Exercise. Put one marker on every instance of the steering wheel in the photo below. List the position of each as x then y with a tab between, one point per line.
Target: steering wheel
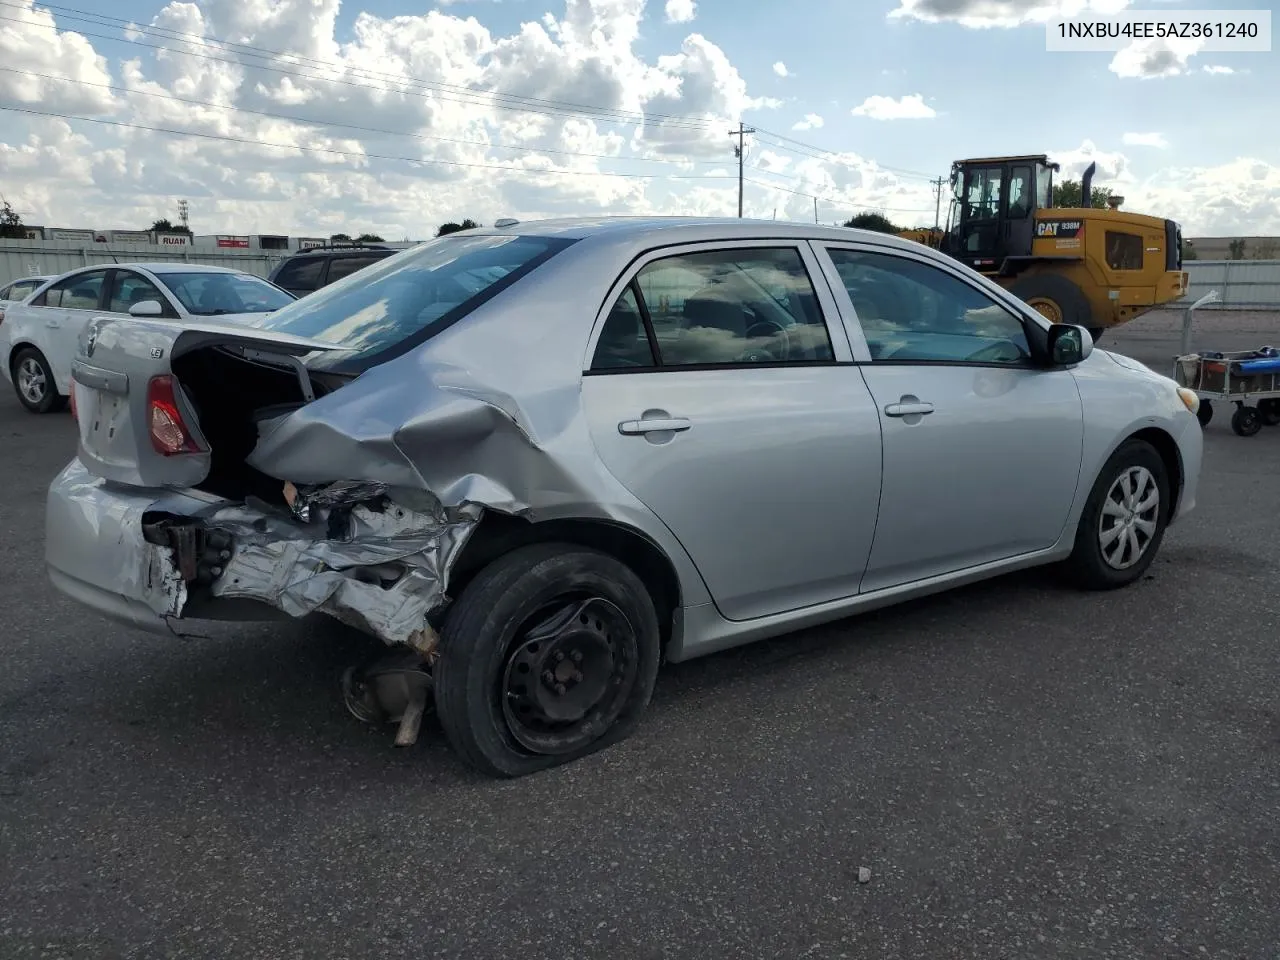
770	326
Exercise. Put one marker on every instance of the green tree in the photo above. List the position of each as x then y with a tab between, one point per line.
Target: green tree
873	221
1235	249
11	225
340	238
164	226
369	238
1189	251
1266	250
452	227
1067	194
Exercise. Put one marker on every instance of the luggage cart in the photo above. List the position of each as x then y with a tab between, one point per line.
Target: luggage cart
1250	379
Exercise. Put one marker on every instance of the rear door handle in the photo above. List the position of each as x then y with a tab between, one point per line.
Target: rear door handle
908	408
662	425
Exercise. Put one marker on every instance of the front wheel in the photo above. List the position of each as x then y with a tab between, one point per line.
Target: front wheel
33	382
1204	413
1124	519
549	654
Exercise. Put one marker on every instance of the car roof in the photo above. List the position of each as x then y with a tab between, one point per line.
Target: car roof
685	229
339	251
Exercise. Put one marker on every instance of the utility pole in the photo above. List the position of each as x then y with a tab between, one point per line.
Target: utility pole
937	201
740	151
815	209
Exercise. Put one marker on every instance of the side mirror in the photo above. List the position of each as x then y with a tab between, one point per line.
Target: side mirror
1069	344
146	308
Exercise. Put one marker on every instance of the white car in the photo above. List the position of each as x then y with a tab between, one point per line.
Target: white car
18	291
39	337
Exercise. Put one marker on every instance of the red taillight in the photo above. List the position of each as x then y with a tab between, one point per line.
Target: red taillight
71	400
169	434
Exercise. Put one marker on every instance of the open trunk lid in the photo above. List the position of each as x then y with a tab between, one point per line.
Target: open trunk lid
124	384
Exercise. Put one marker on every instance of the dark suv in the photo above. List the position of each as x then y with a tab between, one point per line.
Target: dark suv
309	270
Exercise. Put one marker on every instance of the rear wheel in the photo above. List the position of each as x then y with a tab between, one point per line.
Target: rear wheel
549	654
33	382
1124	519
1057	299
1269	410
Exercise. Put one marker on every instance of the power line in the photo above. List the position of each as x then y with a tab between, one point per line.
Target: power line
432	87
840	204
356	154
129	91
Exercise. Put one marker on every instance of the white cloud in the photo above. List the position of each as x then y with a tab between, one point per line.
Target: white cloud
780	69
1156	140
1151	59
681	11
981	14
1241	197
910	107
1215	68
811	121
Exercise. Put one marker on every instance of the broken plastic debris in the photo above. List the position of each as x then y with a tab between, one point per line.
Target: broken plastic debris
864	874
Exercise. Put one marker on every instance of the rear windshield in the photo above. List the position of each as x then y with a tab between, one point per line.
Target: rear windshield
388	307
215	294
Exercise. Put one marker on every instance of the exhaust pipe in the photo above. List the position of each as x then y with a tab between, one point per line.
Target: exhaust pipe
1086	185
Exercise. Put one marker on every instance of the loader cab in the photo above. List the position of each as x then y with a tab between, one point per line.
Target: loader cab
993	211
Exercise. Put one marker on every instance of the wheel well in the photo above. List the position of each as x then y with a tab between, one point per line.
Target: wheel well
16	349
1168	450
499	534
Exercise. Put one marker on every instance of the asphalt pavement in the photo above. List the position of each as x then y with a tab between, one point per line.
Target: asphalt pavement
1024	770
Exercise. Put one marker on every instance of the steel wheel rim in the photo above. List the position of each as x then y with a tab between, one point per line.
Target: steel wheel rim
1046	308
1129	518
558	704
31	380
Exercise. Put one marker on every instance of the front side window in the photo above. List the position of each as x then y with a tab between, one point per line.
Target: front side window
130	288
982	192
81	292
1020	192
22	289
915	313
404	299
214	294
754	305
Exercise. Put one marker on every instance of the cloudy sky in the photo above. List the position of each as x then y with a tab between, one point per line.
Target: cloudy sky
309	117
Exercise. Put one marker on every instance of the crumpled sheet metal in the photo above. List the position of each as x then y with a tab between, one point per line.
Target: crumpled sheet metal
433	425
297	568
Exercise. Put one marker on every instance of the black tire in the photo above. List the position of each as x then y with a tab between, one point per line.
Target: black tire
1246	421
1087	565
50	400
480	652
1068	298
1205	412
1269	410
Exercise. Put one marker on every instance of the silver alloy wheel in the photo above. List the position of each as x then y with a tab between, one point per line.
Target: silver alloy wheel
31	381
1129	516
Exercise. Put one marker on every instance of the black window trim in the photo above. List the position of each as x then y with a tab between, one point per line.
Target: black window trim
858	246
689	248
166	296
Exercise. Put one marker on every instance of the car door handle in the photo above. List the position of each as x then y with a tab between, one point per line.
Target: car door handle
657	425
908	408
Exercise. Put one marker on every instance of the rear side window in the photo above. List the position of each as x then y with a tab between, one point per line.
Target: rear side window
402	300
22	289
1124	251
80	292
723	307
301	274
340	267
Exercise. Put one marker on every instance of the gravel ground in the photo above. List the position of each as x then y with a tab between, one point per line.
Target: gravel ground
1023	770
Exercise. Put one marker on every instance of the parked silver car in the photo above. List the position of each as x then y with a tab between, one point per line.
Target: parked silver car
535	459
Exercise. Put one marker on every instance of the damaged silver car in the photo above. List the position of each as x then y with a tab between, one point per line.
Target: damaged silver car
534	460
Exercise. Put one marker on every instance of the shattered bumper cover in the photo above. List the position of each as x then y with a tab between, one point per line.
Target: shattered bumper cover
373	557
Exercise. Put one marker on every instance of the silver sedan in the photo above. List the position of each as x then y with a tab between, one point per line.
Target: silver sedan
534	460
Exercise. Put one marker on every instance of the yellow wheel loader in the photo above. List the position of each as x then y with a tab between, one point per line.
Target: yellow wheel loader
1086	265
